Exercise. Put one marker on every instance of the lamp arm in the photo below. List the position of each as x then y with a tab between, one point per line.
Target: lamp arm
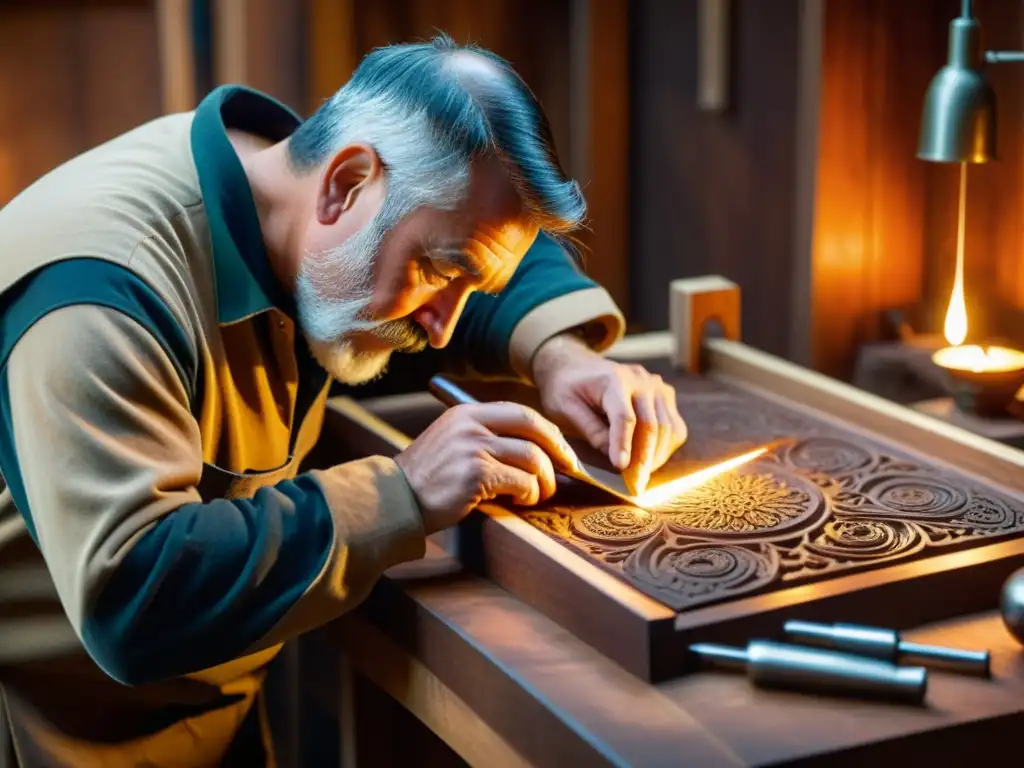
1004	57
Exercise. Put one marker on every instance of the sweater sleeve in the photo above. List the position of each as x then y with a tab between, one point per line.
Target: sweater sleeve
102	455
547	295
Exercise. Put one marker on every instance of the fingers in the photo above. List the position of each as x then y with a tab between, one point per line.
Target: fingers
645	427
679	431
504	480
665	446
514	420
645	437
618	408
528	457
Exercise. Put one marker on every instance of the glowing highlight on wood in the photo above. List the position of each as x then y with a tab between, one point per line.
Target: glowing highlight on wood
662	493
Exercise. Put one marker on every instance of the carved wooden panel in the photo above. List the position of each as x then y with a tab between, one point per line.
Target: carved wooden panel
829	501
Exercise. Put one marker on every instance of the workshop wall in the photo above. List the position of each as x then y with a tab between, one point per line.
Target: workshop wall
804	189
72	75
715	192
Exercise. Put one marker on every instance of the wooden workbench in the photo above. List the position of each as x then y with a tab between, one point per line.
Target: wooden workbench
505	672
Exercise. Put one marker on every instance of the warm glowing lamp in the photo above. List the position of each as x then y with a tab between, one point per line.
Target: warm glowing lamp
983	380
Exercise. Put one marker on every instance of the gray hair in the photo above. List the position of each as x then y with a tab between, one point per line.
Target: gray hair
430	110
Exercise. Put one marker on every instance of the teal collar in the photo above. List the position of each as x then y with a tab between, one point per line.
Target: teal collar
245	284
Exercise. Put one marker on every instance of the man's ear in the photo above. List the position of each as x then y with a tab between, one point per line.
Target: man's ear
350	172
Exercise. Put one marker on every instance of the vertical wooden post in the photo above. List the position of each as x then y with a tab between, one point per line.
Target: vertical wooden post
333	53
713	48
808	104
230	27
599	136
693	304
177	55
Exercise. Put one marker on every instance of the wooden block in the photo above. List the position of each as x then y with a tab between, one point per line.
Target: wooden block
698	306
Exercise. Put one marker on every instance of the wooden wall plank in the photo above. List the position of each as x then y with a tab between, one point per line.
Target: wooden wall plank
274	50
177	55
332	57
230	41
808	104
599	138
868	242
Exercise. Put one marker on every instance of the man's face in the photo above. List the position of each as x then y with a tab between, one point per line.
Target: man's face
369	286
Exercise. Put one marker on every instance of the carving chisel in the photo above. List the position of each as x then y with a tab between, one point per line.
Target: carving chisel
777	665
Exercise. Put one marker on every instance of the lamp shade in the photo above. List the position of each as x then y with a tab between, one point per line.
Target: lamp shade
958	124
959	120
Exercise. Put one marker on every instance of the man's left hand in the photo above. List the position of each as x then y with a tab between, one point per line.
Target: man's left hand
623	410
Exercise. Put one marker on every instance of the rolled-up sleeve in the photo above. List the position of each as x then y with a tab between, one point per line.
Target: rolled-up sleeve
103	457
547	295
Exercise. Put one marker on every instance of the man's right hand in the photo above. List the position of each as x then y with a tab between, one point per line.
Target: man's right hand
476	452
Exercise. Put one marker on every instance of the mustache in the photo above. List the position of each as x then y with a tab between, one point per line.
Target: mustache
403	334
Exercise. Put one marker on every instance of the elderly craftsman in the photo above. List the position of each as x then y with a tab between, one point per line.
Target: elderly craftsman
175	305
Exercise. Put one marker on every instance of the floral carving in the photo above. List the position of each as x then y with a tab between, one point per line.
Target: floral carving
737	503
675	569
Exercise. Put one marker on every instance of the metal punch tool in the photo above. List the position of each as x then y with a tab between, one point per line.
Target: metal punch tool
888	645
769	664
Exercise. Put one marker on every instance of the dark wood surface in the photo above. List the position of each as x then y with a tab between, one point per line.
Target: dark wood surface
525	685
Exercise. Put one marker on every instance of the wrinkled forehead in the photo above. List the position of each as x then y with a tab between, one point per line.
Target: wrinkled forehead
490	227
496	248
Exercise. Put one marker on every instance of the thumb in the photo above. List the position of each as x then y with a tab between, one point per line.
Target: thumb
587	422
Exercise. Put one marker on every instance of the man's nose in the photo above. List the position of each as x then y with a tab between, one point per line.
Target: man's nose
439	316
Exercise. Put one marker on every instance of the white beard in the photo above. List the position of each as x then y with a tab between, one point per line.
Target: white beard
334	288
